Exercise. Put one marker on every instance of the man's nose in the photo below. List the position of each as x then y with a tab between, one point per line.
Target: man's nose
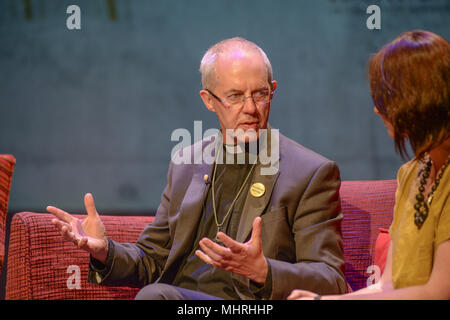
249	105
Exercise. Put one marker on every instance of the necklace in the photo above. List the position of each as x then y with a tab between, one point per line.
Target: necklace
422	206
219	225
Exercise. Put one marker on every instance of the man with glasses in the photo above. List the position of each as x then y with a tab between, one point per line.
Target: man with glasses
228	230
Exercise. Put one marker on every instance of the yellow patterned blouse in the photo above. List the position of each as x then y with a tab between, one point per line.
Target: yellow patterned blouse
414	249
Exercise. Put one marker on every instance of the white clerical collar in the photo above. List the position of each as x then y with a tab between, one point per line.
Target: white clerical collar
234	148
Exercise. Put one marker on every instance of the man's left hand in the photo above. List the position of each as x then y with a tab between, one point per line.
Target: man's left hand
246	259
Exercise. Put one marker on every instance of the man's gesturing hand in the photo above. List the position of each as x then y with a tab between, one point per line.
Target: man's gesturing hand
246	259
88	234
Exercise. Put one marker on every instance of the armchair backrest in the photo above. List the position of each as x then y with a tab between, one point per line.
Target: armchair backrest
367	207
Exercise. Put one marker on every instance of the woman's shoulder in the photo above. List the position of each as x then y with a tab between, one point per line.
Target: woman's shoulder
406	170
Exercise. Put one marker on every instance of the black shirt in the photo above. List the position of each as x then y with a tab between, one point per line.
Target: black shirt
196	274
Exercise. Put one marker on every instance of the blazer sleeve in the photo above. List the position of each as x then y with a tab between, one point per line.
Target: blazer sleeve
318	243
136	265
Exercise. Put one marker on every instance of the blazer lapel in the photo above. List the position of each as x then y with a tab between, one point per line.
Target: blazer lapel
187	222
254	206
191	209
188	216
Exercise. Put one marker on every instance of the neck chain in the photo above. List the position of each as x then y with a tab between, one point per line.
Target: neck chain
219	225
422	206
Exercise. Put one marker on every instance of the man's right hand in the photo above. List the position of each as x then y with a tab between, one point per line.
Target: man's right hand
88	234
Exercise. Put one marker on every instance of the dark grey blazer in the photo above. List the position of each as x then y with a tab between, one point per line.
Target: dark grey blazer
300	213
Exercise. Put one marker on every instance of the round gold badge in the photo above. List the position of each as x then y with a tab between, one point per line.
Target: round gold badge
257	189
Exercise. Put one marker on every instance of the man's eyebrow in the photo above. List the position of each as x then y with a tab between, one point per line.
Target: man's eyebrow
233	91
240	91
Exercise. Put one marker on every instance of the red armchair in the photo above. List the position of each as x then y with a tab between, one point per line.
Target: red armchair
41	265
7	163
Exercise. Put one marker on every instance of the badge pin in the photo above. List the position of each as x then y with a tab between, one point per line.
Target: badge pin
257	189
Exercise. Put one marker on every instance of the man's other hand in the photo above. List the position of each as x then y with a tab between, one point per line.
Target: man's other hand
88	234
246	259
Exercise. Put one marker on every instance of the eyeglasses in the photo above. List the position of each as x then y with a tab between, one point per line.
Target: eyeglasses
261	98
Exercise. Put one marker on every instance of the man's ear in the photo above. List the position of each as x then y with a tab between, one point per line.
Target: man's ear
274	85
206	97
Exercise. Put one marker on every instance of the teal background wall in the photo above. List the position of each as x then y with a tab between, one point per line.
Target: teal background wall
92	110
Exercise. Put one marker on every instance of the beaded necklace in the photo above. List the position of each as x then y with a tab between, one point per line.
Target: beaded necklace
422	206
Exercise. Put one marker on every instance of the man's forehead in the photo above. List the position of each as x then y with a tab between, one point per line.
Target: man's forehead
237	53
240	58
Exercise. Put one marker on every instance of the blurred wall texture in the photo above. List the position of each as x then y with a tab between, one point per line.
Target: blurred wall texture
92	110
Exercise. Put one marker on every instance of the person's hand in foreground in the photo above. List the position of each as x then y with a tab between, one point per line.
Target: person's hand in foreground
302	295
246	259
88	234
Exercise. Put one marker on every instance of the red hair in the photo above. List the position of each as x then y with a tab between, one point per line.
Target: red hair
410	85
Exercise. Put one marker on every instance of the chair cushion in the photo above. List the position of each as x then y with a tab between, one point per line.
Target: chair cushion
381	248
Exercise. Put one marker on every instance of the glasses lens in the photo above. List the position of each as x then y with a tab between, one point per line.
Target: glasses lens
261	98
235	99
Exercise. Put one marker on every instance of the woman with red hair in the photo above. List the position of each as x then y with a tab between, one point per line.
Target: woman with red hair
410	87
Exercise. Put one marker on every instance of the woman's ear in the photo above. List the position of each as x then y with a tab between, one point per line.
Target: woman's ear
206	97
375	110
387	123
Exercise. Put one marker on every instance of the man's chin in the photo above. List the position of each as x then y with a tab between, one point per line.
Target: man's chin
249	126
246	139
243	134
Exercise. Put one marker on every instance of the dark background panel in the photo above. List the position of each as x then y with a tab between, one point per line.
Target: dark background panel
92	110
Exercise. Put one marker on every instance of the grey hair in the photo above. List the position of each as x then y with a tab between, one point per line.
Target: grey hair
207	65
